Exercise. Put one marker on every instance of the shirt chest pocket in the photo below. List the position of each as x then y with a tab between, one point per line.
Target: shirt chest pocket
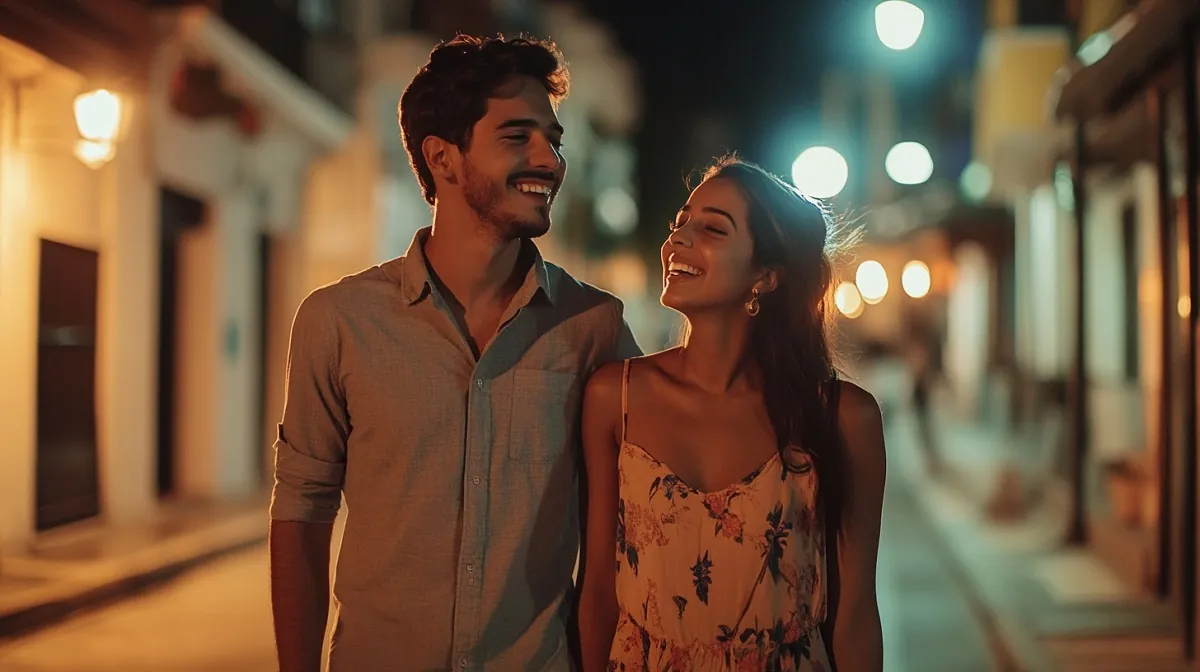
545	416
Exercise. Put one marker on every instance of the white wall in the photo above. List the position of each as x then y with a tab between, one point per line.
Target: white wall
1045	285
1116	402
46	193
273	183
968	325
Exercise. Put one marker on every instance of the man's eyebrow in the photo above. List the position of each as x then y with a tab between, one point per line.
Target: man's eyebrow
529	123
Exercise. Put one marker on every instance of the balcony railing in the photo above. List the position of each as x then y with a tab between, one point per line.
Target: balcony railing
277	32
327	62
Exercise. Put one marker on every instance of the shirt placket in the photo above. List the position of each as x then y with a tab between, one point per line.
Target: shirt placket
469	597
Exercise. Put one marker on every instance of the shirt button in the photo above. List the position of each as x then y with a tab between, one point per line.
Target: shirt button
462	662
478	383
470	567
476	480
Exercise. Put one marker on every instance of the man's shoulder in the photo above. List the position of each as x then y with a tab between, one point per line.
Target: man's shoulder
577	294
354	290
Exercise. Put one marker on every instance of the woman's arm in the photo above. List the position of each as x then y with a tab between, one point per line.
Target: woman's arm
857	633
597	615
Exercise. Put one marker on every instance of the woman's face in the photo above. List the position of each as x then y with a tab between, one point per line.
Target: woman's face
708	259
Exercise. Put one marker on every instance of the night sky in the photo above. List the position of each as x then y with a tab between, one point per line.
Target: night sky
746	75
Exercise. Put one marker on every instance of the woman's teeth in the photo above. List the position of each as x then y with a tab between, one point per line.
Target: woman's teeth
676	268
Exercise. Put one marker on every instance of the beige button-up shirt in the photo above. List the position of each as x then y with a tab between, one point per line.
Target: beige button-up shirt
459	476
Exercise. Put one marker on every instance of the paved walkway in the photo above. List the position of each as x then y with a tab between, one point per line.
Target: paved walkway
216	617
1048	607
931	621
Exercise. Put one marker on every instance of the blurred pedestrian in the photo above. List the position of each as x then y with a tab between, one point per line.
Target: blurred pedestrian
739	481
923	357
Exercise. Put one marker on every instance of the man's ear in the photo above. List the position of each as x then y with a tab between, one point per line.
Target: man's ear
442	158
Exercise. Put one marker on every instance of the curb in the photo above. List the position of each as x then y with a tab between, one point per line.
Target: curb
85	597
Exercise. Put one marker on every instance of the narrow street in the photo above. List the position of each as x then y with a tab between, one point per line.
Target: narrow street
931	621
217	617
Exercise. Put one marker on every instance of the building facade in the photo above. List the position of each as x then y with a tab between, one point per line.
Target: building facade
148	277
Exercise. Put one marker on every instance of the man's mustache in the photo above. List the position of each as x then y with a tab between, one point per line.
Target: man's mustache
534	175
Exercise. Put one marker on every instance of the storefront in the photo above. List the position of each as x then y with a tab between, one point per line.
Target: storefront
1138	102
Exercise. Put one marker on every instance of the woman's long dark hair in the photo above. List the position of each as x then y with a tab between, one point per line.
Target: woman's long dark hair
790	338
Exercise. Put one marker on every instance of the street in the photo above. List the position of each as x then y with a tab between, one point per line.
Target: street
217	617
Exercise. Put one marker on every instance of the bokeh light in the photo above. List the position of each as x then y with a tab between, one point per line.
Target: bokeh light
848	300
909	163
898	24
820	172
872	281
975	181
915	279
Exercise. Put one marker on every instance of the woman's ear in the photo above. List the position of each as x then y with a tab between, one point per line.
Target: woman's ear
768	281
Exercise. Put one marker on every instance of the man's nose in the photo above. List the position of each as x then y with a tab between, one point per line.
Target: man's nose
543	154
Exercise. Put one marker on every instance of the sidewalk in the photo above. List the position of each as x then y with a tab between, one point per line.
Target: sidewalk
89	565
1053	608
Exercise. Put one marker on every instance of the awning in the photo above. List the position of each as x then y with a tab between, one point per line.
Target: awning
1122	138
102	43
254	71
1150	40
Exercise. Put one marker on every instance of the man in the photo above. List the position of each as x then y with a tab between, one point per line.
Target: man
440	393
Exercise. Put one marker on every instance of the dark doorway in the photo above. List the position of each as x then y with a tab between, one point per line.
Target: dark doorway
67	479
177	213
265	268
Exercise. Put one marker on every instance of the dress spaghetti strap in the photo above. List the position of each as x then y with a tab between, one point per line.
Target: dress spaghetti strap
624	400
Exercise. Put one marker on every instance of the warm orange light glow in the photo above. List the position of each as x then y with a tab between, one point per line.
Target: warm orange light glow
872	281
848	300
915	279
98	115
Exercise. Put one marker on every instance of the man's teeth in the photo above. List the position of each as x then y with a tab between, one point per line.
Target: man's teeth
676	267
534	189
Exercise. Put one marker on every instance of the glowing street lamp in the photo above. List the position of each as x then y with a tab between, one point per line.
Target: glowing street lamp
848	301
98	118
820	172
872	281
909	163
898	24
915	279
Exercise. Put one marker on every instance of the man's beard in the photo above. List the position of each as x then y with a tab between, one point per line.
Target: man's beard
486	197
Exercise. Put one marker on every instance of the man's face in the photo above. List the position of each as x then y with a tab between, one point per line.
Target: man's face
514	165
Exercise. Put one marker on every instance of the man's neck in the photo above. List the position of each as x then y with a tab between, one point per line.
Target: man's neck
475	265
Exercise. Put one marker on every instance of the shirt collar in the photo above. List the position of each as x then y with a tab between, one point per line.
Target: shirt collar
415	281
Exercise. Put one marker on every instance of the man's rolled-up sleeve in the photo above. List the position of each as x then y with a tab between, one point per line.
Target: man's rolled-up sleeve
310	449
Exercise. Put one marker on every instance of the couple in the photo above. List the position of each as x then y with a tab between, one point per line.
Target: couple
488	420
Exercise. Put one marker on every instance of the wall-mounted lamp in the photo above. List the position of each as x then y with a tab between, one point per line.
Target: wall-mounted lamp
98	118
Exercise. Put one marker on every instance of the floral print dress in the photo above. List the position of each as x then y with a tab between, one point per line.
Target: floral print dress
724	580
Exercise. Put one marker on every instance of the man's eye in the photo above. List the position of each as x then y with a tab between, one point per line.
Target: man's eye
516	138
716	230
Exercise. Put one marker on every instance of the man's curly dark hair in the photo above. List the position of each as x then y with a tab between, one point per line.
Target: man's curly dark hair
448	96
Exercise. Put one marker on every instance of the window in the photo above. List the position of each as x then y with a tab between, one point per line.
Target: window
1041	12
324	16
1129	243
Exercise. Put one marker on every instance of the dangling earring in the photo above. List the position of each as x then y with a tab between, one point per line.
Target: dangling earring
752	304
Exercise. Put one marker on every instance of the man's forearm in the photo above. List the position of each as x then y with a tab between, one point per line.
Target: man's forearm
300	592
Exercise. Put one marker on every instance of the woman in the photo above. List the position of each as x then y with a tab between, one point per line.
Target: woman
718	469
